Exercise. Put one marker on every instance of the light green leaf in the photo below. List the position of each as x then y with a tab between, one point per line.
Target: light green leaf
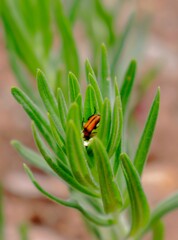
110	193
104	128
90	104
23	230
158	231
116	128
96	219
128	84
145	141
49	101
104	74
74	87
74	115
35	114
77	156
59	167
94	84
89	70
32	157
139	205
62	107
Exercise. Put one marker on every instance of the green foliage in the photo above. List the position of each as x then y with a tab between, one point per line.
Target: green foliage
93	168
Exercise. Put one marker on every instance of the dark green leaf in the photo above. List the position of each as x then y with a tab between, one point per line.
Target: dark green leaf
139	205
145	141
110	193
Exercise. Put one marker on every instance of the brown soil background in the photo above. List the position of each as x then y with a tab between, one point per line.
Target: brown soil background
52	222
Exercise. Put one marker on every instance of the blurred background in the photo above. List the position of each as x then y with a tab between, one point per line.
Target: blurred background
145	30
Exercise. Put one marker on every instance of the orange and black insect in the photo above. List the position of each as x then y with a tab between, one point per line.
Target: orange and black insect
90	125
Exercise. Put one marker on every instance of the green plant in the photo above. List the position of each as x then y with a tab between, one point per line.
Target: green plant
32	29
104	183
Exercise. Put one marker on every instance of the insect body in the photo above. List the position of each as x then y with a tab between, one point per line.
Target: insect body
90	125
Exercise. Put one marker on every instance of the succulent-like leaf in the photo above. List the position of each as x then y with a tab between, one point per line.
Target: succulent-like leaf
116	129
89	70
62	107
105	123
35	114
96	219
74	115
74	87
145	141
49	101
58	166
90	104
111	196
139	205
104	74
77	156
128	84
94	83
158	231
31	156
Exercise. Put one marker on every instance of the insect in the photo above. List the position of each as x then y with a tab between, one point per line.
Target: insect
90	125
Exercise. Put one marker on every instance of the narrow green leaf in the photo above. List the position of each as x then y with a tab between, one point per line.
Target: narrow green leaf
35	114
96	219
139	205
90	104
158	231
60	169
117	159
74	10
49	101
62	107
104	73
145	141
32	157
164	208
79	102
74	87
128	84
68	48
2	225
110	193
23	230
104	128
121	43
74	115
89	70
94	84
77	156
116	129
